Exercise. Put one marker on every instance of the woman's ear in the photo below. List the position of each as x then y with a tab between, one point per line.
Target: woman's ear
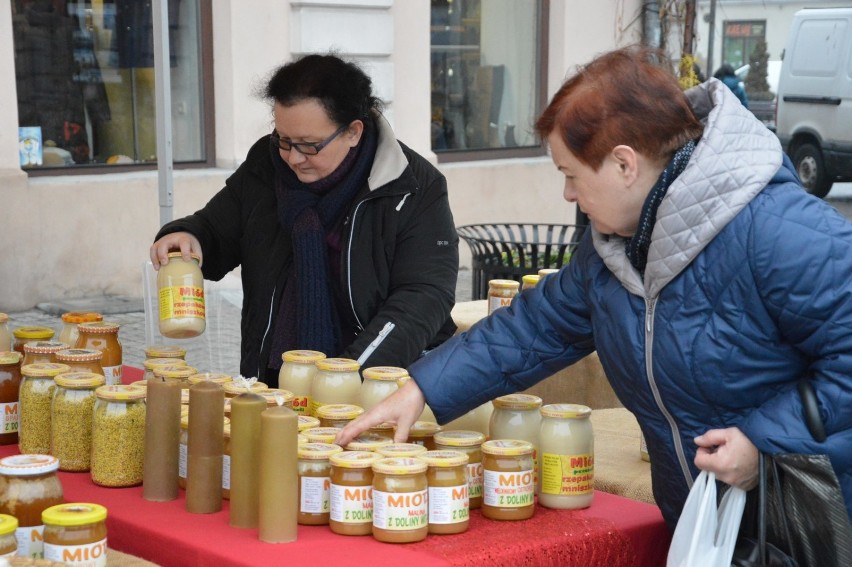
627	161
354	132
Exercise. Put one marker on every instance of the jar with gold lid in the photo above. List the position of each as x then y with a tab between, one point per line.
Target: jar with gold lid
401	450
384	429
337	381
314	480
118	436
517	416
296	375
42	351
181	292
176	373
423	433
8	541
530	281
351	492
307	422
76	530
321	434
469	443
28	486
477	419
82	359
400	500
379	383
71	419
152	364
508	482
369	442
273	395
338	415
103	335
68	333
165	351
6	339
501	293
24	335
234	389
449	501
215	377
10	385
567	456
36	395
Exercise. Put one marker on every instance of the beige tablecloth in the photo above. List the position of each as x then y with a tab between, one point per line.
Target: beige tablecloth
619	469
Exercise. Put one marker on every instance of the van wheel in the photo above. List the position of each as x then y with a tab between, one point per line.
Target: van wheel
809	165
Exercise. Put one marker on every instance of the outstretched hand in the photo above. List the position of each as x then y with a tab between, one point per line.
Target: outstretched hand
184	242
402	408
730	455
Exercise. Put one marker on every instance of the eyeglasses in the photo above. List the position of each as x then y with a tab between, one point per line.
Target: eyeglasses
304	148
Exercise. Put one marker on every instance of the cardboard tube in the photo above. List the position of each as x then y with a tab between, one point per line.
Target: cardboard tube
245	455
162	441
205	449
279	476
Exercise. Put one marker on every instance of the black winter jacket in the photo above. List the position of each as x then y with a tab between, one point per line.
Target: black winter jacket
399	259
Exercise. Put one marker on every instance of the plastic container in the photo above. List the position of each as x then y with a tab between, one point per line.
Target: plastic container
337	381
180	287
103	335
68	333
508	485
449	502
567	457
400	500
379	383
75	534
42	351
501	293
26	334
8	541
517	416
118	436
36	395
296	375
314	482
469	443
71	412
10	385
351	492
28	486
82	359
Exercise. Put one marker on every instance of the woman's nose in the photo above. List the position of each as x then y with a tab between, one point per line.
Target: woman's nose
295	157
569	194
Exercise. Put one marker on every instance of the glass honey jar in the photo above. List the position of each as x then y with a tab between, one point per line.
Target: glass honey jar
529	281
177	373
68	333
165	351
36	395
6	339
8	541
71	412
517	416
338	415
24	335
400	500
296	375
423	433
82	359
469	443
10	385
118	436
351	492
337	381
76	534
314	481
401	450
369	442
567	456
501	293
103	335
234	389
379	383
508	481
449	500
152	364
42	351
180	286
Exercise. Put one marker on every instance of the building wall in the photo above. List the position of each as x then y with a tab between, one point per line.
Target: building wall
82	235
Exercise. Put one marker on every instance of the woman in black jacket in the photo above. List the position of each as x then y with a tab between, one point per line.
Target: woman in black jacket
345	235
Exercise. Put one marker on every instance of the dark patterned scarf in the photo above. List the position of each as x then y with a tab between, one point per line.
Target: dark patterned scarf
638	245
307	317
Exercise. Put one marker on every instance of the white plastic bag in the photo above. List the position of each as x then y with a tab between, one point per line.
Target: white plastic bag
705	536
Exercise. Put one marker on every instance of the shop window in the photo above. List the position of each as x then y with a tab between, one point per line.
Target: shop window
85	83
488	77
740	39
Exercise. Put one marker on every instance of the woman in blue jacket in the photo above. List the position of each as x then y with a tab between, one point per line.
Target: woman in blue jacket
710	283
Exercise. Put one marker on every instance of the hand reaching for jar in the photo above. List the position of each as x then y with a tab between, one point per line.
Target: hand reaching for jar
185	242
402	408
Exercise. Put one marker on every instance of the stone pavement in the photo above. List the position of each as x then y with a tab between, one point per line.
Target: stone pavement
216	350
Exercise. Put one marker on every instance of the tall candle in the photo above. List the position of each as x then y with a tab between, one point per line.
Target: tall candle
162	441
279	477
245	455
205	448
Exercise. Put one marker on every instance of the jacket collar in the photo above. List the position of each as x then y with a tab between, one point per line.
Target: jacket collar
390	161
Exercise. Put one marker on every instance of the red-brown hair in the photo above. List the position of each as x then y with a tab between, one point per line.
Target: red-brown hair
629	96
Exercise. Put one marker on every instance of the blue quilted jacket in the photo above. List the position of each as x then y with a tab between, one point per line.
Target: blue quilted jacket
748	286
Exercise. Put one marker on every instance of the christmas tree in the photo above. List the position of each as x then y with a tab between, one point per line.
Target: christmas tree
756	85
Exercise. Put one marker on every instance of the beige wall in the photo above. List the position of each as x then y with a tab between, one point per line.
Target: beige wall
75	236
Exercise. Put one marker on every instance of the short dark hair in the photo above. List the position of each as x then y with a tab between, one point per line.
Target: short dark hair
629	96
341	87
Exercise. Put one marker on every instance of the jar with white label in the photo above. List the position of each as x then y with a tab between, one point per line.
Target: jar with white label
314	480
379	383
501	293
508	485
76	530
337	381
296	375
567	456
469	443
351	492
449	500
400	500
517	416
181	293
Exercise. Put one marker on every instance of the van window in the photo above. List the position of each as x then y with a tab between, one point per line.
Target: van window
818	48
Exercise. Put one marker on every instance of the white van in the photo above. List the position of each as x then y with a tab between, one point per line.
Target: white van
814	111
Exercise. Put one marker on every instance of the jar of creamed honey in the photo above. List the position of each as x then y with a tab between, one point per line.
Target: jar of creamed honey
337	381
296	375
567	456
181	292
379	383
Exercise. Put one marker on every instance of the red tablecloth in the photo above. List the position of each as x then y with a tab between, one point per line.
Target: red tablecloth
613	531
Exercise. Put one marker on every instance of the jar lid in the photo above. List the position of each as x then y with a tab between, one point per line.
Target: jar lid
402	380
339	411
164	351
79	355
272	396
517	401
444	458
401	450
46	369
74	514
121	392
44	347
383	426
546	271
303	356
423	429
369	442
504	284
33	333
210	377
321	434
4	318
234	387
338	364
184	420
400	466
567	411
507	447
354	459
80	380
318	451
531	279
460	438
28	465
192	255
174	372
8	524
81	317
307	422
384	373
10	357
98	327
143	384
301	439
152	363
